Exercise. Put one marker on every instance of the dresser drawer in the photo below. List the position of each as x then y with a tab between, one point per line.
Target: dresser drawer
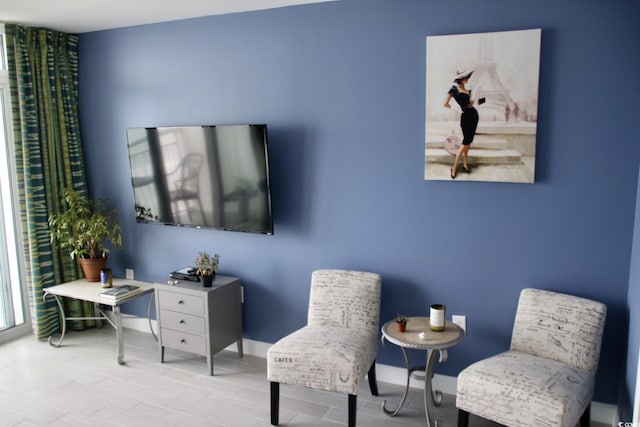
183	322
183	341
189	304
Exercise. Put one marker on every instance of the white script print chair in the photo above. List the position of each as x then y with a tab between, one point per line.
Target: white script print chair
338	345
547	376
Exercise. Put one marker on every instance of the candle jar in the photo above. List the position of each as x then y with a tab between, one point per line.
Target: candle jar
106	278
437	317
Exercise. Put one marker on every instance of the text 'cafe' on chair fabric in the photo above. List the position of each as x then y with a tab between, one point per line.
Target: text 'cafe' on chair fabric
338	345
547	377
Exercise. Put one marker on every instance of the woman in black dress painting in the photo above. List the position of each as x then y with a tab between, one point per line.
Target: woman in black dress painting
468	119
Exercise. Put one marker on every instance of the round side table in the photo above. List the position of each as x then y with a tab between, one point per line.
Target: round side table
432	342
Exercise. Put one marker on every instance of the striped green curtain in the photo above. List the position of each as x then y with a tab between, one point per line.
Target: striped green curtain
43	76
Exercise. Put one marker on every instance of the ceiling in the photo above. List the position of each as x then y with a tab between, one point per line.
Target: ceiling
81	16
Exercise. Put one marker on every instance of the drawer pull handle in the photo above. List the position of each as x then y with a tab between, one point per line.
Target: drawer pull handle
183	341
182	322
180	302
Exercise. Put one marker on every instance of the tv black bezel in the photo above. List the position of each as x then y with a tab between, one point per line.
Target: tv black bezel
269	230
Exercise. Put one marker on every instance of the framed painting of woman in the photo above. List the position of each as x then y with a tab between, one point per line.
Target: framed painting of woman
482	106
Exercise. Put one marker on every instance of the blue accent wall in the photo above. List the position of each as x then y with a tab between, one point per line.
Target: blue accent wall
341	86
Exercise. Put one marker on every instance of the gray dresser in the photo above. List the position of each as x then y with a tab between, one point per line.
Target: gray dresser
199	320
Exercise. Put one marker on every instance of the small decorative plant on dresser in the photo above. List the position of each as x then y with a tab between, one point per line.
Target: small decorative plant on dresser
206	267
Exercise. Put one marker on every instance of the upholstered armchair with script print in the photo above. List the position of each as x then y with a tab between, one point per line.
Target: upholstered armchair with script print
338	346
547	377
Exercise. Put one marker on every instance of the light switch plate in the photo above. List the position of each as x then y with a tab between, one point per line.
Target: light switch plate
460	321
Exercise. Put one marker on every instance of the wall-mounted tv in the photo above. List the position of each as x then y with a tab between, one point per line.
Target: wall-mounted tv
202	176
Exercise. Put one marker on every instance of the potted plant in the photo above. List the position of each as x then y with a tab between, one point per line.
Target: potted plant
401	320
83	228
206	267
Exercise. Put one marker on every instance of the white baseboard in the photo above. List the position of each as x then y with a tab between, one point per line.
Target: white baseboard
604	413
138	323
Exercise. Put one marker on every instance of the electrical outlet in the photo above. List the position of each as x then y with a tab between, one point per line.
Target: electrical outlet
460	321
129	273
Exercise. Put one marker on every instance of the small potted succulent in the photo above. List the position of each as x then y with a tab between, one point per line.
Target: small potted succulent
401	320
206	267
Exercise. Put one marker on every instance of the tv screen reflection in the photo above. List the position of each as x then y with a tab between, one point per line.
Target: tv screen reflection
202	176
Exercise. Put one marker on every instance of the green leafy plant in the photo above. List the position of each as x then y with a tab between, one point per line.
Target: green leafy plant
401	318
206	264
85	226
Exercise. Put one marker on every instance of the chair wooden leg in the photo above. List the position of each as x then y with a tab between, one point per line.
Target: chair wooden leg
373	383
463	418
275	402
353	400
585	418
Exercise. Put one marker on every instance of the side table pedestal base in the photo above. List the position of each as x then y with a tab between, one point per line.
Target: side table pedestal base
418	337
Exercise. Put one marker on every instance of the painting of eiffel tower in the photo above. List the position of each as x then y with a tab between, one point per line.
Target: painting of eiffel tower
503	89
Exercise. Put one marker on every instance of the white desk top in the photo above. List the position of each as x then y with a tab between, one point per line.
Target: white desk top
90	291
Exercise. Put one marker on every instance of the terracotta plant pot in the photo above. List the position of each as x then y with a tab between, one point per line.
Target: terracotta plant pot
402	327
91	268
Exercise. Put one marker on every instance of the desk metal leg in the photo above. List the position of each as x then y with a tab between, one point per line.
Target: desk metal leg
116	321
96	313
63	322
117	318
394	412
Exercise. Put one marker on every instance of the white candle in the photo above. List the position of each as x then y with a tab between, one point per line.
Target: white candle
436	317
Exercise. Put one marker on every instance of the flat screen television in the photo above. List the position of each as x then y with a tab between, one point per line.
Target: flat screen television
202	176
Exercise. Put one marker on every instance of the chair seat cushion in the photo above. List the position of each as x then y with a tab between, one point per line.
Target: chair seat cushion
519	389
323	357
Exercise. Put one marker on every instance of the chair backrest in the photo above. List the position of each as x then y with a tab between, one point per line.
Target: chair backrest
560	327
350	299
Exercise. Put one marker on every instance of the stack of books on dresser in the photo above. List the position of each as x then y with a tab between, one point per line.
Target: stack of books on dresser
120	292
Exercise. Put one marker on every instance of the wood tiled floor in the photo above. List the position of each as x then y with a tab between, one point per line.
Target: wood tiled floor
81	384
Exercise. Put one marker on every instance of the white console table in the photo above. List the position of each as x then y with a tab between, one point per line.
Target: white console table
199	320
90	291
